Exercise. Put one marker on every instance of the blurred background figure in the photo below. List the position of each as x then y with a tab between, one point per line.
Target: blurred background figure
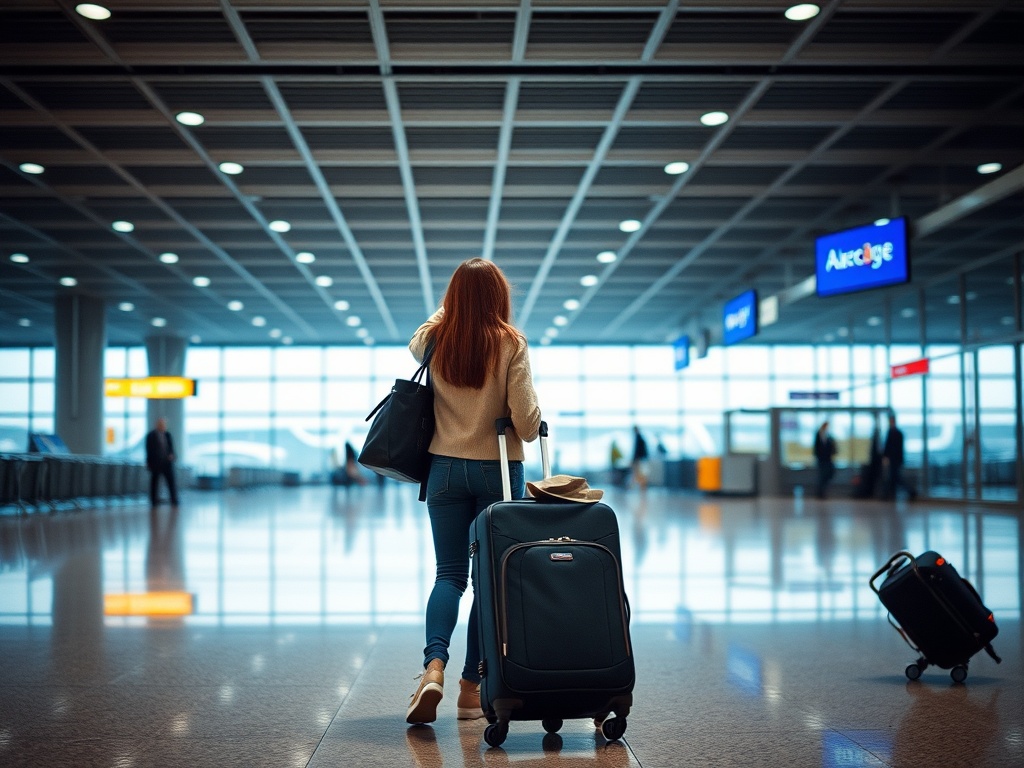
639	459
160	462
892	460
824	455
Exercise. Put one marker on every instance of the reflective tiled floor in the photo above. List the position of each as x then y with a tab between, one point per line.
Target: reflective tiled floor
757	639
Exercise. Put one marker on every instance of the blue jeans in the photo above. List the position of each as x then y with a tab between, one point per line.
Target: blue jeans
457	491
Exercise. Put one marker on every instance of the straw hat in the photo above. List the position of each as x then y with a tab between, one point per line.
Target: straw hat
564	488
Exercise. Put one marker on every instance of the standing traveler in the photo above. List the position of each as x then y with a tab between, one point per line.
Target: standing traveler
160	462
480	371
639	459
892	460
824	454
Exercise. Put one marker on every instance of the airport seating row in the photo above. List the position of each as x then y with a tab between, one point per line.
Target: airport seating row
31	481
248	477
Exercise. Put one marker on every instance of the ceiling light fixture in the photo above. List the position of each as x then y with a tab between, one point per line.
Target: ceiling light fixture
190	118
561	320
714	118
169	258
324	281
362	333
551	332
907	312
305	257
353	322
607	257
629	225
843	332
286	340
588	280
368	341
676	168
571	304
231	169
341	305
275	333
19	258
236	306
874	321
34	168
881	222
280	226
954	299
158	322
92	11
123	226
545	341
201	282
196	339
987	168
1007	320
802	12
68	282
24	322
259	321
126	306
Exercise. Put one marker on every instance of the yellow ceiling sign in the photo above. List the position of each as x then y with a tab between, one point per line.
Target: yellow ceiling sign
150	604
152	387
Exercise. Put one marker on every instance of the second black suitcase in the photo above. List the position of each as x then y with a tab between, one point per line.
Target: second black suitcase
938	612
553	614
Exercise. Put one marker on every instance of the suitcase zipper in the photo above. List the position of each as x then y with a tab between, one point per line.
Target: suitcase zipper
556	542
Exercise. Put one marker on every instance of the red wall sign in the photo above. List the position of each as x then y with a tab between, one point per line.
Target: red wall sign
909	369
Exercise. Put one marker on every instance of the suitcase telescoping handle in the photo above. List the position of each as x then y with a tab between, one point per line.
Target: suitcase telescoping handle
506	482
891	564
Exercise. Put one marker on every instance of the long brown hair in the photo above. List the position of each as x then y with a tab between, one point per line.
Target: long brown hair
477	320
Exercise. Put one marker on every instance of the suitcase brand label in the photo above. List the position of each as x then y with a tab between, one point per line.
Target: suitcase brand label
561	556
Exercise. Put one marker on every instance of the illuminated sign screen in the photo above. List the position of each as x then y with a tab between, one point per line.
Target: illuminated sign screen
865	257
152	387
681	352
739	318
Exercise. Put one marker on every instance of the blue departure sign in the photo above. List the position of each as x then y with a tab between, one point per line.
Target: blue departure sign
865	257
739	318
681	352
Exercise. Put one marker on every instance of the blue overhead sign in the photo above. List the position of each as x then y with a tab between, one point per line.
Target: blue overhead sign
681	352
739	318
865	257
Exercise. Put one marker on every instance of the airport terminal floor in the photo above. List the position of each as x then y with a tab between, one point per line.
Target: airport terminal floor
757	639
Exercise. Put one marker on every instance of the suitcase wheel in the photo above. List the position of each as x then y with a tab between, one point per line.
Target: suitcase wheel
913	671
495	734
958	673
613	728
552	725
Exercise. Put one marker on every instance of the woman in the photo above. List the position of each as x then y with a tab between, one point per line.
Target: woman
481	372
824	454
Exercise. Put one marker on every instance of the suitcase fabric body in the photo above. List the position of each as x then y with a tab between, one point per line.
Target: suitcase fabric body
939	613
553	615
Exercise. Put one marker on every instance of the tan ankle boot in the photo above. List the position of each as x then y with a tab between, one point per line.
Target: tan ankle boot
423	708
469	700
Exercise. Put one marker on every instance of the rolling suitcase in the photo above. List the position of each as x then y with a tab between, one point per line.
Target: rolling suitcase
937	612
552	608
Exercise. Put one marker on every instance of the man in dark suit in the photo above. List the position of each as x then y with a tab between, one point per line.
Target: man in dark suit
892	460
160	461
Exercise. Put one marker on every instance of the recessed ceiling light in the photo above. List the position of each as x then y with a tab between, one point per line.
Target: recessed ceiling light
588	280
1007	320
158	322
169	258
190	118
881	222
907	312
874	320
353	321
19	258
630	225
714	118
24	322
324	281
362	333
286	340
68	282
551	332
196	339
368	341
971	295
34	168
200	282
92	11
275	333
341	305
236	306
280	226
259	321
561	320
842	332
123	226
305	257
802	12
126	306
231	169
986	168
607	257
545	341
571	304
676	168
954	299
829	338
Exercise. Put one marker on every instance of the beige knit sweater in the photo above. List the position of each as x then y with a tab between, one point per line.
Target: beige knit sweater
465	416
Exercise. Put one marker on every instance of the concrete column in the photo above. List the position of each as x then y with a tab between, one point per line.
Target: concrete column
166	357
81	338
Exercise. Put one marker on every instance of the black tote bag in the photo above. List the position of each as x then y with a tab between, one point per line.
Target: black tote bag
403	426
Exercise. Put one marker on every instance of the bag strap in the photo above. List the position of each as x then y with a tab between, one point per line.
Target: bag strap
428	354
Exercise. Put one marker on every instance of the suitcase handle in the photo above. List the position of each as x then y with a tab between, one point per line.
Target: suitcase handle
902	555
506	482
